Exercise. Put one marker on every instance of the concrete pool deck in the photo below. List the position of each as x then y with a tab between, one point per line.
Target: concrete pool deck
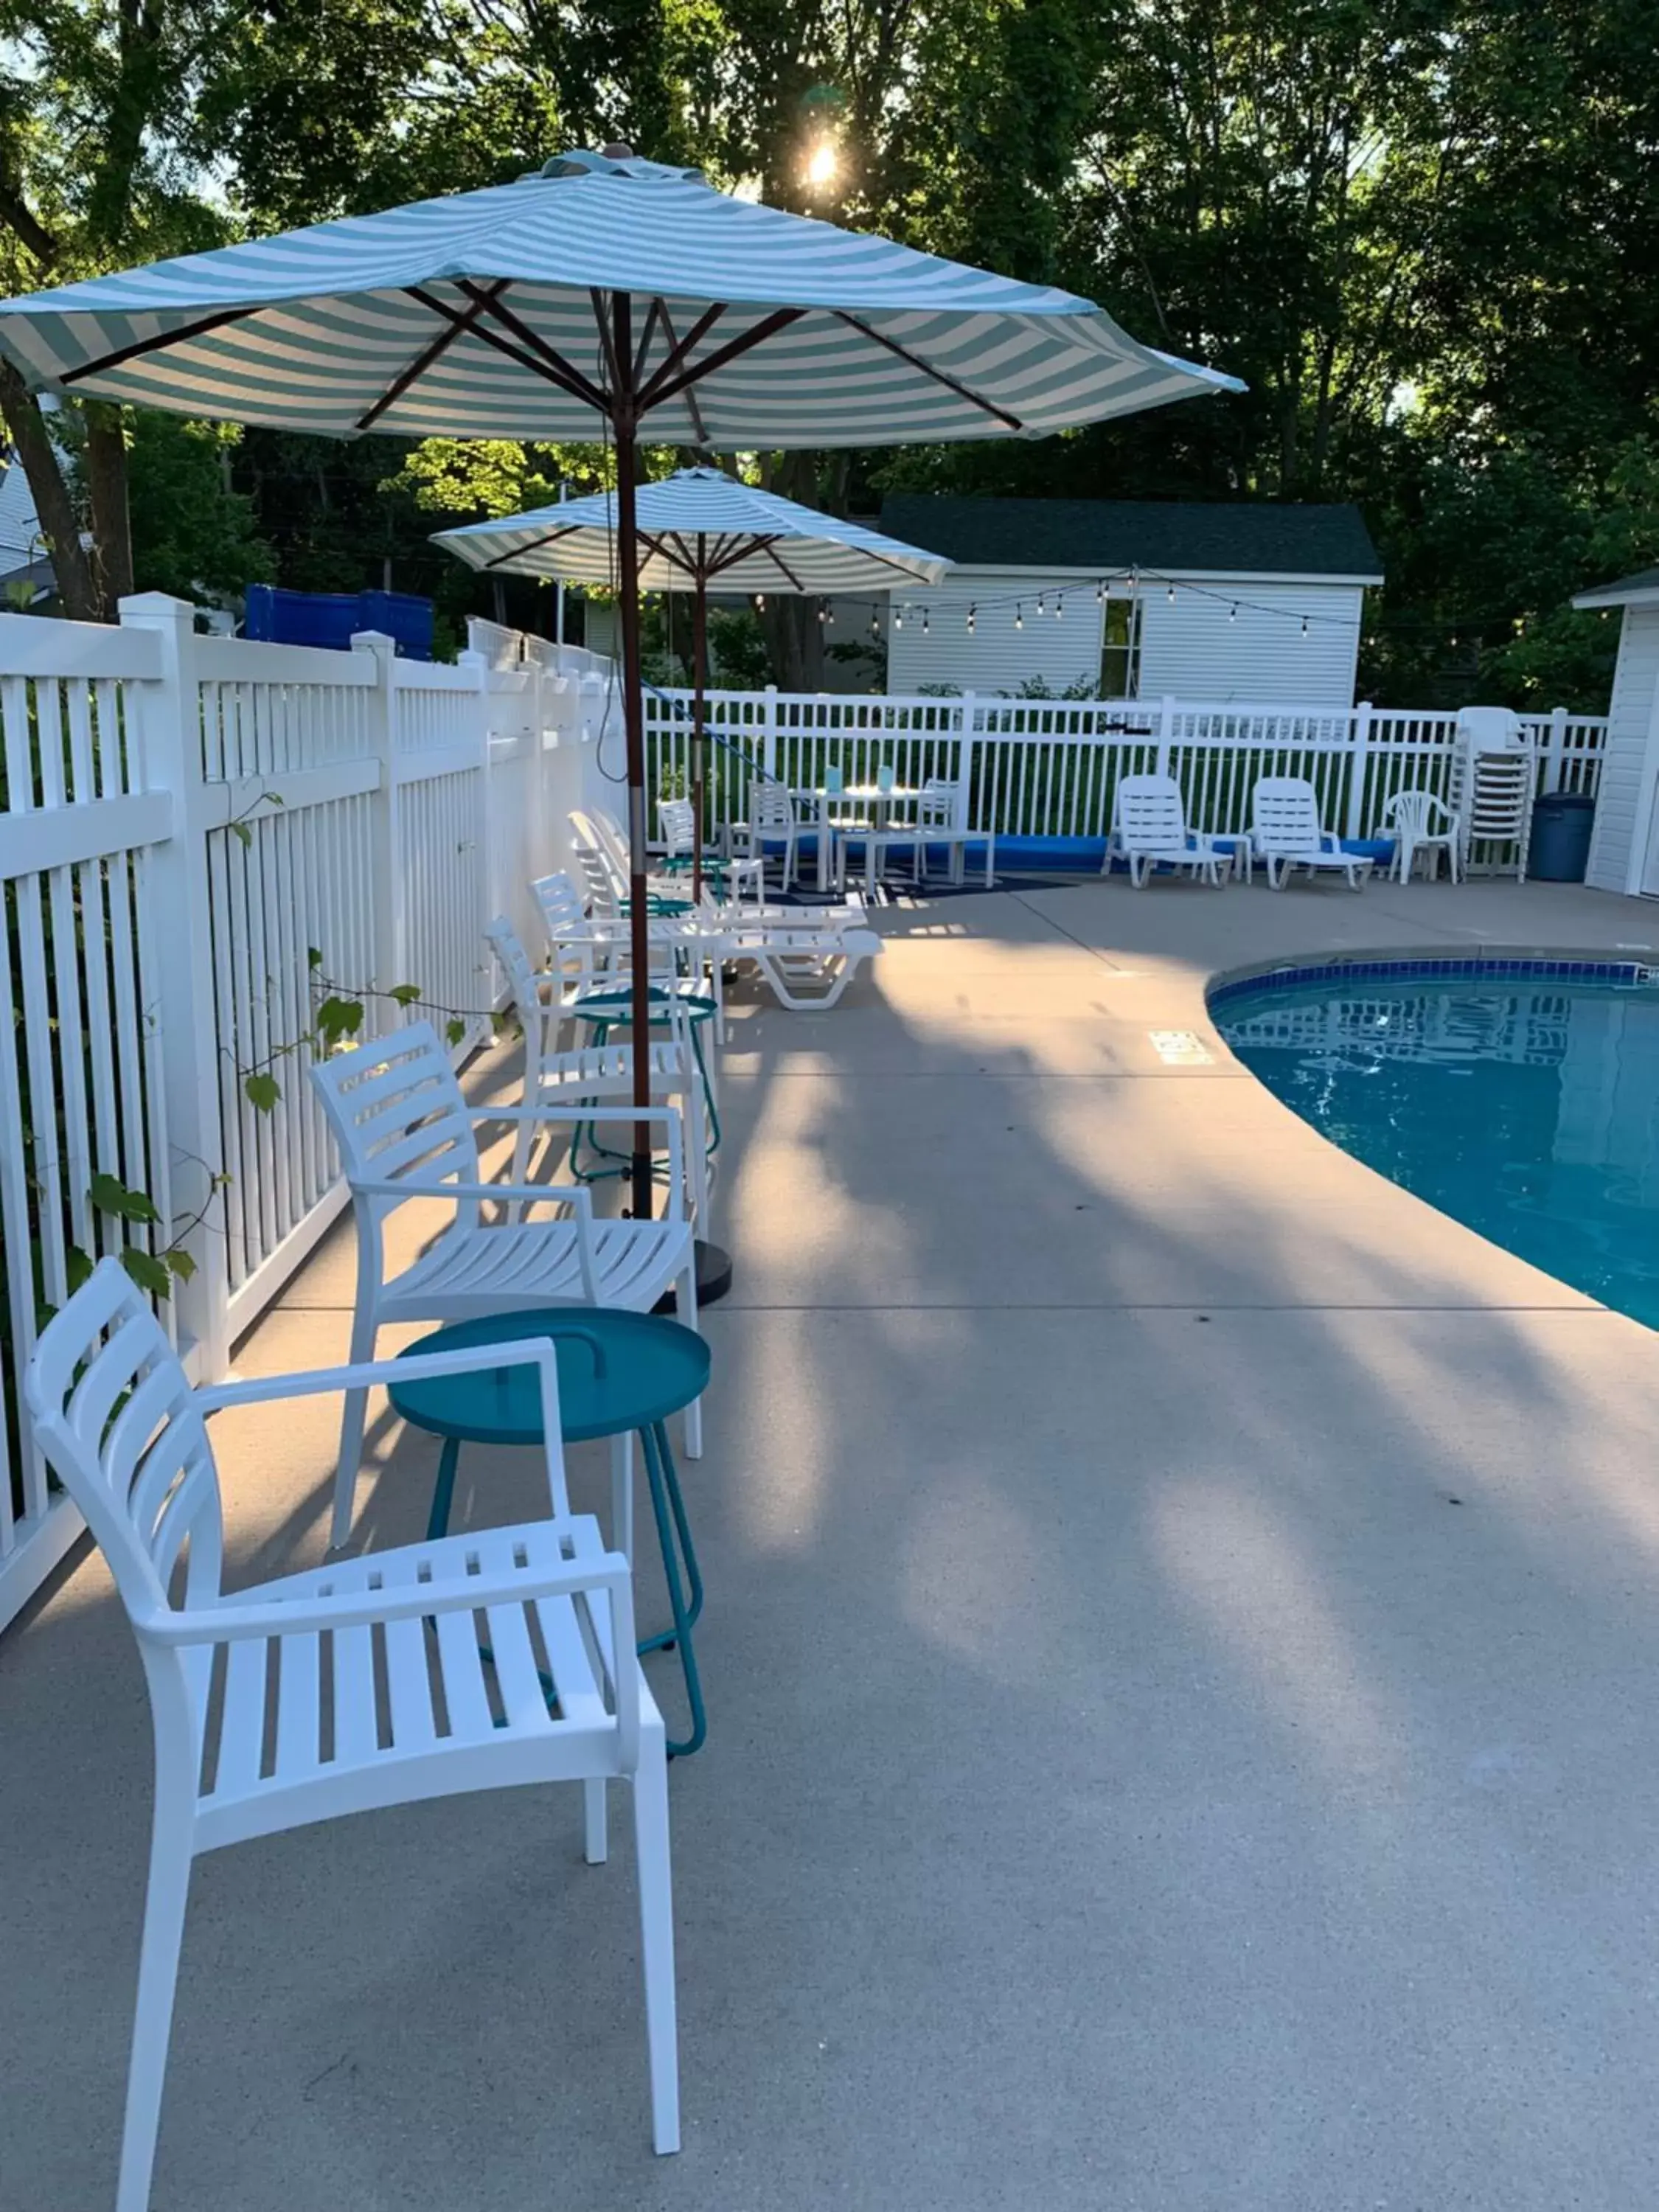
1182	1626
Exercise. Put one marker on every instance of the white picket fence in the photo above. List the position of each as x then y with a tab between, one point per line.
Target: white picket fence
1048	768
185	819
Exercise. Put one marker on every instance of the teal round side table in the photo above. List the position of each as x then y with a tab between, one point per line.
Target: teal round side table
618	1372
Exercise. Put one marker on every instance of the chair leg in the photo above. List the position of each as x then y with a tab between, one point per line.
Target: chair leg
352	1421
595	1840
158	1977
685	1309
622	1494
656	1882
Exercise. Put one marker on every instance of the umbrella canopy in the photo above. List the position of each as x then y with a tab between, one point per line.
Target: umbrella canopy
491	314
695	528
605	291
697	525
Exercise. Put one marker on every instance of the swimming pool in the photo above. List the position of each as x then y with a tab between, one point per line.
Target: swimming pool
1520	1096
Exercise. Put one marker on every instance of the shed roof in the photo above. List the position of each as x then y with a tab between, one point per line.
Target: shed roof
1255	538
1639	590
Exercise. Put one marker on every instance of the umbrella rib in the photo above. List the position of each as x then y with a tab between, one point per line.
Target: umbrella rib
140	346
660	307
517	552
564	371
938	375
493	338
658	546
744	343
422	361
770	547
677	351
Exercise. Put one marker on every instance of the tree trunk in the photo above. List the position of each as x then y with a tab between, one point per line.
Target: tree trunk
60	525
111	524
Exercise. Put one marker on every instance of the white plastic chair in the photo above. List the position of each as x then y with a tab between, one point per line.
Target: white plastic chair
1421	821
1285	833
591	1074
936	824
314	1736
772	821
1149	828
404	1132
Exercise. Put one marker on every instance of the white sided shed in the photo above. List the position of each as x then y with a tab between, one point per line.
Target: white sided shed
1210	601
1624	854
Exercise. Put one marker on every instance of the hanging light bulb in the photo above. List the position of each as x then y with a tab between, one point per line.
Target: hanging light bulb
760	602
1232	611
875	623
1019	617
1039	602
1304	625
1171	595
1060	606
898	618
1100	593
972	611
824	613
924	622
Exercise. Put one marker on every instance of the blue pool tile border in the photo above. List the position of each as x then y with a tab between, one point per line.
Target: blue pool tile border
1445	966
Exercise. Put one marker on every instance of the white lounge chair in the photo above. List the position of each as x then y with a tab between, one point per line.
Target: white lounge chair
405	1132
1285	833
361	1684
1421	821
1149	829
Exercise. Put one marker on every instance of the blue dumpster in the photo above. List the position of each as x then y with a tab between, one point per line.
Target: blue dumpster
1561	825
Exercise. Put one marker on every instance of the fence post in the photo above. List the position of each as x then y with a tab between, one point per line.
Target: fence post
385	839
1359	768
966	758
770	736
1555	772
180	901
1165	732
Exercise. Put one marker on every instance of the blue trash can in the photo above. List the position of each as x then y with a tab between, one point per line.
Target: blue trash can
1561	825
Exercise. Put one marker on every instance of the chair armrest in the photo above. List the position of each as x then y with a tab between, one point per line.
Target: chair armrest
312	1383
231	1623
562	1193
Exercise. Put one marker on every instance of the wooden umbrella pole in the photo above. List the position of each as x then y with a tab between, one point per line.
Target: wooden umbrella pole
628	587
699	686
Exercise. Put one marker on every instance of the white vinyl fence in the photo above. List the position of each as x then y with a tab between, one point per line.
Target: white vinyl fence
197	836
1048	768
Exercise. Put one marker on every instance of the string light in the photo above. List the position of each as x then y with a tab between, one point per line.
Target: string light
972	611
1233	612
1039	602
898	618
1304	625
1172	595
1100	594
1060	606
924	622
1019	616
1129	585
823	613
760	602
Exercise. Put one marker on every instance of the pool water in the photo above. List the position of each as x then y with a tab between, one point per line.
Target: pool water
1525	1105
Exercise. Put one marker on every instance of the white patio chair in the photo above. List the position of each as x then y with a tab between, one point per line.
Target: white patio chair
1421	821
405	1132
591	1074
773	820
581	950
1149	828
936	824
1285	833
347	1718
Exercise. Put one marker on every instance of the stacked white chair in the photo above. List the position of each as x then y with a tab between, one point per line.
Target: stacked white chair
406	1134
273	1693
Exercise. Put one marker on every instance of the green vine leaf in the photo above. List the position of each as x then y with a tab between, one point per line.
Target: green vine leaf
313	955
337	1018
262	1091
77	1267
147	1271
239	829
454	1031
180	1262
110	1195
405	994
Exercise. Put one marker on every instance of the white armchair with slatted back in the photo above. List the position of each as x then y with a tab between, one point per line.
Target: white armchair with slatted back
357	1684
405	1135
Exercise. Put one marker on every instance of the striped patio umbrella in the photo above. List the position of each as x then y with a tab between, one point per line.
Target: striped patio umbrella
604	294
697	528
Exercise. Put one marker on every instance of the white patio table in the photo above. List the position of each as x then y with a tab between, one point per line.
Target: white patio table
878	800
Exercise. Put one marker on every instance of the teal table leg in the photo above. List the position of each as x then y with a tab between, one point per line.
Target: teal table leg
665	1504
443	1491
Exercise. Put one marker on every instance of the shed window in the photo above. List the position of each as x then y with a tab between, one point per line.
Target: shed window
1120	649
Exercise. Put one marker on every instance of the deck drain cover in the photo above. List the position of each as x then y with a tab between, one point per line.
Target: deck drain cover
1179	1049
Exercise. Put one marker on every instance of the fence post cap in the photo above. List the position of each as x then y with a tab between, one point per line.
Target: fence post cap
151	607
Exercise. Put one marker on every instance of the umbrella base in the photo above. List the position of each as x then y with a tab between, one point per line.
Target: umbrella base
714	1277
